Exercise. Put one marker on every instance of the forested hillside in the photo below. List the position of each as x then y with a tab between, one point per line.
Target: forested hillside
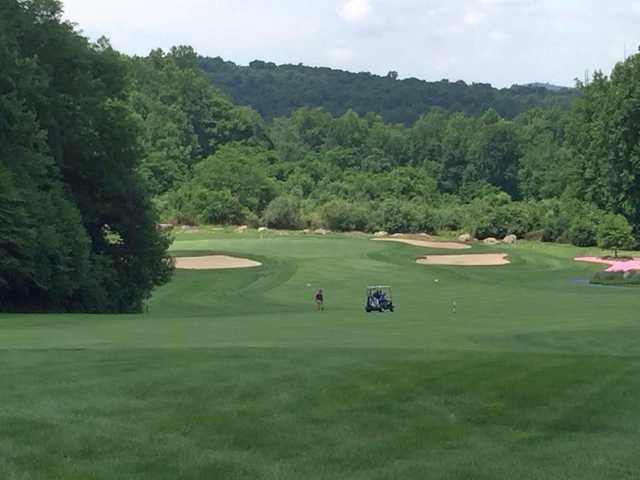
77	231
549	173
278	90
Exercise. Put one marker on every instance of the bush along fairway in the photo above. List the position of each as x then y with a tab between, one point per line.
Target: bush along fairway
520	370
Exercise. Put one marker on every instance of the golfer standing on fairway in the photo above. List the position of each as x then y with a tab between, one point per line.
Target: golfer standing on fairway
320	300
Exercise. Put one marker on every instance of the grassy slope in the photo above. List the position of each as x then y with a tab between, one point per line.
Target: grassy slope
231	374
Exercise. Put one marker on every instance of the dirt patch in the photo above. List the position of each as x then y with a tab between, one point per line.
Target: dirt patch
214	262
425	242
473	260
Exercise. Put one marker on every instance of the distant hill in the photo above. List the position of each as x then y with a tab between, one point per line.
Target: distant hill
277	90
548	86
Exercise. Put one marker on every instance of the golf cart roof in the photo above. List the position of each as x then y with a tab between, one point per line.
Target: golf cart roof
371	287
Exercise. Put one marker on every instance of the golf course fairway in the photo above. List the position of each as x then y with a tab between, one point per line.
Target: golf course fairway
233	374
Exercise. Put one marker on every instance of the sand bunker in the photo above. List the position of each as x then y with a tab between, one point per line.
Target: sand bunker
214	262
426	243
615	265
474	260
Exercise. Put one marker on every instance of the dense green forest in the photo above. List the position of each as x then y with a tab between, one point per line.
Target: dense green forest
279	90
77	230
97	147
549	173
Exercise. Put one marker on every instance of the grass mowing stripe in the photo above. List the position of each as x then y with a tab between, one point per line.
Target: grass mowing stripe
532	378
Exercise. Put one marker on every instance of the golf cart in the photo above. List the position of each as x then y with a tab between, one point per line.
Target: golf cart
379	299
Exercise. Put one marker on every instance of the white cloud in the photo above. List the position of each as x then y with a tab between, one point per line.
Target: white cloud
474	18
498	36
355	11
506	3
635	6
340	56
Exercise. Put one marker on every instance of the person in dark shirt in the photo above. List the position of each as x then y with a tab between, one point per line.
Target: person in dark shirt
320	300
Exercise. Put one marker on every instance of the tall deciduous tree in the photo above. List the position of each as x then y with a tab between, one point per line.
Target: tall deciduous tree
605	141
68	158
494	154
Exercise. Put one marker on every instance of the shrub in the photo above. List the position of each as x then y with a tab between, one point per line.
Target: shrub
396	216
428	220
192	204
534	236
450	217
251	219
344	216
313	220
283	213
583	233
495	215
616	278
555	227
615	233
487	227
502	221
221	207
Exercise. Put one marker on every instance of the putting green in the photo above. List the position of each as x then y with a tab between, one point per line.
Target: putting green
233	374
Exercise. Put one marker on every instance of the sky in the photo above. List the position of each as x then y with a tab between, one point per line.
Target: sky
502	42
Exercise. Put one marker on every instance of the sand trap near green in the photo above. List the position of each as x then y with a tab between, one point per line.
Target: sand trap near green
214	262
426	243
474	260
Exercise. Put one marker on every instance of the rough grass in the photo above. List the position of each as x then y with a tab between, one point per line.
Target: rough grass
233	375
620	279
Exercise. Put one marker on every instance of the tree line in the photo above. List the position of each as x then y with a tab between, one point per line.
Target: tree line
549	173
279	90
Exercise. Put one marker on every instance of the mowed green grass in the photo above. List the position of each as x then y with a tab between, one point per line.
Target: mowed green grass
233	374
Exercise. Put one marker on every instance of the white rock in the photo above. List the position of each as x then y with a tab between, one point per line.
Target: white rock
466	238
491	241
381	234
510	239
321	231
263	229
242	228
